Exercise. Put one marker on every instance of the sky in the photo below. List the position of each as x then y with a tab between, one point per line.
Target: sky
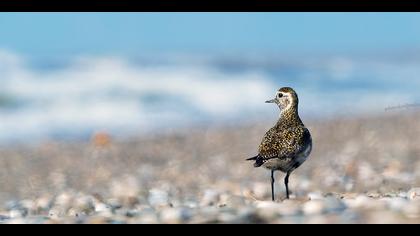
65	74
131	34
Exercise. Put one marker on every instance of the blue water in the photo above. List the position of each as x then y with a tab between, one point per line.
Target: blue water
72	98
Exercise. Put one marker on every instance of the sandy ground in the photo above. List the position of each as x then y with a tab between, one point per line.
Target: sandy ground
361	170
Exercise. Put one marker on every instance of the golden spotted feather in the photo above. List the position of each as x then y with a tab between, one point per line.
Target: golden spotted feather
283	142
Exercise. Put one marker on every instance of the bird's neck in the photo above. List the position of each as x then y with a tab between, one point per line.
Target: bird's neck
289	116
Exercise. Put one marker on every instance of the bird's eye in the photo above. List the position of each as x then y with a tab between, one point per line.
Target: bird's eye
280	95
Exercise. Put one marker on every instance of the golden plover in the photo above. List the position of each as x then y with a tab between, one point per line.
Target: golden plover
288	144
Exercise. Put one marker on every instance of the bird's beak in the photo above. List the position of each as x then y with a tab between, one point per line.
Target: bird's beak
271	101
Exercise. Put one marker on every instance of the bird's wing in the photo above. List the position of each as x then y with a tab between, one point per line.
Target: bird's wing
284	144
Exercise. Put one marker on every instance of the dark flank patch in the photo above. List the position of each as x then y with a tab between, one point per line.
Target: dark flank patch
306	139
258	160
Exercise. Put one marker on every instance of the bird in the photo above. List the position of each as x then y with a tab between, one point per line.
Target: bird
288	144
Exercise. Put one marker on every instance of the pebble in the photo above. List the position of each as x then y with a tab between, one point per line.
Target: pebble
3	218
249	215
228	218
315	196
412	210
268	209
98	220
175	215
364	202
215	207
56	213
383	217
314	207
158	198
210	198
231	201
43	204
290	208
148	217
18	213
414	194
206	215
397	204
272	210
84	204
334	205
114	203
103	208
261	190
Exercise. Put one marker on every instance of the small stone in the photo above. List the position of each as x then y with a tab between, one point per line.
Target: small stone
268	210
314	207
403	195
315	196
75	213
3	218
317	219
16	221
98	220
175	215
412	209
397	204
114	203
56	213
364	202
334	205
383	217
414	194
18	213
249	215
333	195
191	204
65	199
28	205
12	205
350	216
231	201
102	207
261	190
210	197
42	204
349	195
206	215
373	195
148	217
290	208
131	213
158	198
84	205
126	212
228	217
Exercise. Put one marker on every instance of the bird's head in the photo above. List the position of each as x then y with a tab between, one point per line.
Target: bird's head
286	98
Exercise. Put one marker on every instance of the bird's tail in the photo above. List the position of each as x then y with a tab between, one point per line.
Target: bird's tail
258	160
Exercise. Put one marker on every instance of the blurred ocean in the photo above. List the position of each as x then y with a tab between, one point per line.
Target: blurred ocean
72	98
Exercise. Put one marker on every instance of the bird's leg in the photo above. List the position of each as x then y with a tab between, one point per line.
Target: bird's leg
286	182
272	185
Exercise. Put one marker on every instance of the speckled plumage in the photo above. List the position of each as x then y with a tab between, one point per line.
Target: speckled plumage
286	145
283	143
